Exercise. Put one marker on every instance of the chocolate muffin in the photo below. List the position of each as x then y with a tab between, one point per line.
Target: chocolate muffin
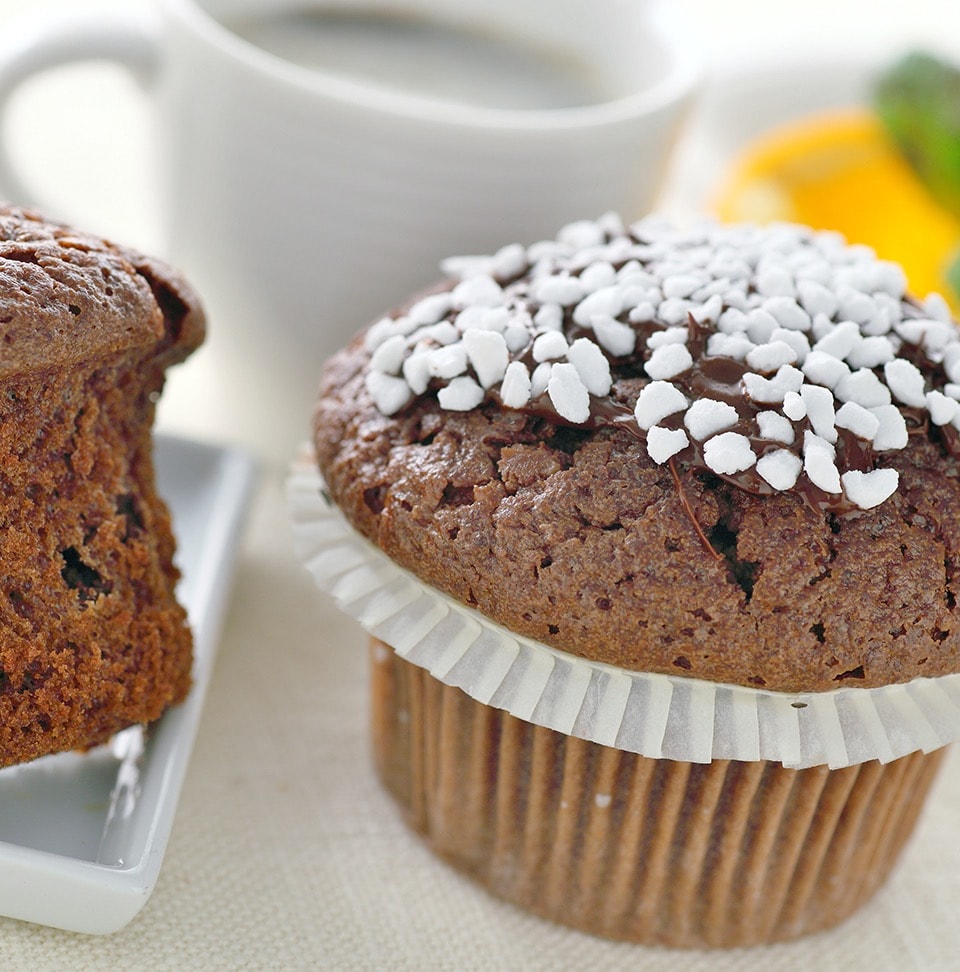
721	456
92	639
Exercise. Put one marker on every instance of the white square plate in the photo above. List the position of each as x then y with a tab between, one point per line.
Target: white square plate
82	836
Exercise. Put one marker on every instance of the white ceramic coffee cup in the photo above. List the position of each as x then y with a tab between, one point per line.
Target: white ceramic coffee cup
303	205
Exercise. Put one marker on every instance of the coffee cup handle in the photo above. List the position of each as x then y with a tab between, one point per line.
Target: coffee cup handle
37	46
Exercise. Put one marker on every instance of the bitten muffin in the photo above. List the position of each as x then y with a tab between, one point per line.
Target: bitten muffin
726	453
92	639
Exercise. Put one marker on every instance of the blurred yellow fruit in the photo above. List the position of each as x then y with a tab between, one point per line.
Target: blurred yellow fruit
840	171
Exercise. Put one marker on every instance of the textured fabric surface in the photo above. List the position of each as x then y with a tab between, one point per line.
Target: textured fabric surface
286	854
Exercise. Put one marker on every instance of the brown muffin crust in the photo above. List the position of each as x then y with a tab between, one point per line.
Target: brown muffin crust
91	637
575	537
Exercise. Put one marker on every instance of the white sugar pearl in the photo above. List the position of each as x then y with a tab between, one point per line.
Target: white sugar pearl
443	332
892	432
549	317
547	253
815	269
951	361
597	275
760	325
549	346
461	395
937	336
635	294
824	369
592	367
463	267
736	346
669	335
858	420
656	401
905	381
674	310
882	319
517	337
767	358
562	289
863	387
942	409
663	444
607	300
378	333
794	407
780	468
820	410
774	281
388	392
479	291
871	352
389	356
815	298
416	370
487	319
930	333
788	313
840	340
615	337
776	427
815	443
431	309
632	272
611	224
540	378
510	261
488	355
726	263
707	417
568	394
796	339
772	390
728	453
854	305
582	234
515	387
870	489
881	275
952	389
822	326
582	259
668	362
819	464
709	311
642	313
447	362
733	321
891	310
937	307
681	285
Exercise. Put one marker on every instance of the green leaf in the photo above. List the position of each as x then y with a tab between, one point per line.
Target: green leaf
952	276
918	102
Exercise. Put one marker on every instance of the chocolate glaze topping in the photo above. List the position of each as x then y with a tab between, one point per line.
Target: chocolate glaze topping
789	281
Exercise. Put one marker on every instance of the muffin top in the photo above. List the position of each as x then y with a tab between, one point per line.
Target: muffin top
67	297
726	452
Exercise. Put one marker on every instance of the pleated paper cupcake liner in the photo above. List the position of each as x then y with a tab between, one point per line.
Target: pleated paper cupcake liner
649	714
689	855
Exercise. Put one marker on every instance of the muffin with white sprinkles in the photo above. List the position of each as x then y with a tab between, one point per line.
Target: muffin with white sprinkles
674	502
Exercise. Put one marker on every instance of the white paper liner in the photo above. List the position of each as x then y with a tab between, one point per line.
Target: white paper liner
658	716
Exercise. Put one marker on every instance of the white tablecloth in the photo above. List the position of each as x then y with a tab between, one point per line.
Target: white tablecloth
285	854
